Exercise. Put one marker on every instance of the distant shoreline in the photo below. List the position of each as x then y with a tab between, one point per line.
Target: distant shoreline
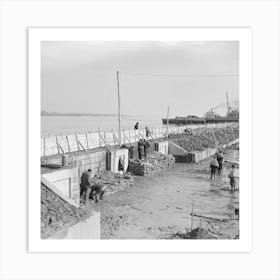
54	114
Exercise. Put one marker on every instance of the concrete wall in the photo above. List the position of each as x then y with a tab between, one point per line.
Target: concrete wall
65	183
115	155
183	156
162	147
197	156
91	159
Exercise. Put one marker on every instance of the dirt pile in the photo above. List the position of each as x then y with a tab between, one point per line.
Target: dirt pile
155	163
57	215
197	233
113	181
208	138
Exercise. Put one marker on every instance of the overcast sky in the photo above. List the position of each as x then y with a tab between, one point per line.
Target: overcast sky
189	77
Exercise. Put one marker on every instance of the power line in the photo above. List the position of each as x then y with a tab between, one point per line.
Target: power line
180	75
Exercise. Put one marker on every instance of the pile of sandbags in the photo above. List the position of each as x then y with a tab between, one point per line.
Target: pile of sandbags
113	181
155	162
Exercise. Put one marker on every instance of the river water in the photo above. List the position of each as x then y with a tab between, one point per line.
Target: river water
158	206
64	125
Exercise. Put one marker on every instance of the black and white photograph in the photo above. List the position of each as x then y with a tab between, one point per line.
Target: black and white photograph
140	140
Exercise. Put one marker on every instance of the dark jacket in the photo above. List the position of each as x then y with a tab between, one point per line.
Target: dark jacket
85	179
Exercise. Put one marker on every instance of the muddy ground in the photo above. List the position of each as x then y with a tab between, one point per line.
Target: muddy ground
158	207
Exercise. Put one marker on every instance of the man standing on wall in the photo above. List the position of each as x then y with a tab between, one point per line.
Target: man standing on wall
136	126
85	185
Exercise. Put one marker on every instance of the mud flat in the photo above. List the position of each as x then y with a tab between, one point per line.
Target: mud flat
159	206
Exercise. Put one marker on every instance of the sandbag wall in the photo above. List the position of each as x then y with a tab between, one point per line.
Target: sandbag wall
156	162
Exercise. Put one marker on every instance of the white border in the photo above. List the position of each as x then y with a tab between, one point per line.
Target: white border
243	35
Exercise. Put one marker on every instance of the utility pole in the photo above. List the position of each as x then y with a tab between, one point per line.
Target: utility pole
167	121
227	104
119	108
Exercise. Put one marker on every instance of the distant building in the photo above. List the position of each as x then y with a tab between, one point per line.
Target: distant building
211	114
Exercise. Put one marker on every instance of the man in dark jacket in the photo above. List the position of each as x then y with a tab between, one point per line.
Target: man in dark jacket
136	126
146	147
220	160
141	148
85	185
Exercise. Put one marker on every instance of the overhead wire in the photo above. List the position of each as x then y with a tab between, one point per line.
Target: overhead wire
179	75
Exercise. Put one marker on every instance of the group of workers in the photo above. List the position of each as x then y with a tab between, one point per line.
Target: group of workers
143	145
89	190
143	148
216	166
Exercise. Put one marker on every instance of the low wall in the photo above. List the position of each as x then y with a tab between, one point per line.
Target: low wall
65	183
97	160
162	147
91	159
197	156
54	145
183	156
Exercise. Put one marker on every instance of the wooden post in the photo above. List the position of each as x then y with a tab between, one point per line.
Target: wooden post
77	141
99	137
58	150
44	146
87	141
68	144
189	215
119	108
167	122
192	217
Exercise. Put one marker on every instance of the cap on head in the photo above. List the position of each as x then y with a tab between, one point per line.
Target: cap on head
89	170
233	166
